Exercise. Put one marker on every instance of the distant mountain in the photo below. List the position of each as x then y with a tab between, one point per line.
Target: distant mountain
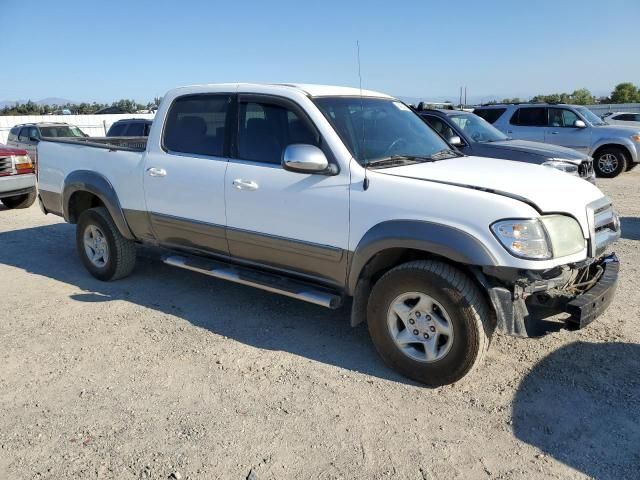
44	101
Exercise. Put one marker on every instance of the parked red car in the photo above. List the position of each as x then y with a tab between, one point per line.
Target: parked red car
17	178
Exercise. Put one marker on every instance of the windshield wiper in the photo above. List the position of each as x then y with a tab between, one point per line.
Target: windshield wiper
397	160
444	154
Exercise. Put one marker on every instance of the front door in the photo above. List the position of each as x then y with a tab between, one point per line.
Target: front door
561	130
184	182
286	220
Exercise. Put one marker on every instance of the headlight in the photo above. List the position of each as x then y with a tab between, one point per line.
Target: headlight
540	239
636	138
563	166
22	163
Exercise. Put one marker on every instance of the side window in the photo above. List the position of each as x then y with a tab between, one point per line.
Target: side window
265	130
530	117
13	134
147	129
116	130
196	124
135	129
490	114
440	126
24	134
561	117
627	117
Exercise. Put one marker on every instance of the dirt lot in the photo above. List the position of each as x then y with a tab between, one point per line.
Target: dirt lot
170	374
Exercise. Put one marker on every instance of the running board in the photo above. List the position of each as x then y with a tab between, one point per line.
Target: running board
265	281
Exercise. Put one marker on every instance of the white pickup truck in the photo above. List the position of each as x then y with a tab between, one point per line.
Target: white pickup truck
329	193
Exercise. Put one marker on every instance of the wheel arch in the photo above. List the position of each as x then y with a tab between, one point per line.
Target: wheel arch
391	243
84	189
613	144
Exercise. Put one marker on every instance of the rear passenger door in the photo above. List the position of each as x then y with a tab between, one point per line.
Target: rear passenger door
184	182
562	130
293	221
528	123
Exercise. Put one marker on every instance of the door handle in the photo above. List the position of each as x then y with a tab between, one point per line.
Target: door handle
156	172
509	131
245	184
554	133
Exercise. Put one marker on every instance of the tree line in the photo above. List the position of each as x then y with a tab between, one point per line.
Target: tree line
32	108
625	92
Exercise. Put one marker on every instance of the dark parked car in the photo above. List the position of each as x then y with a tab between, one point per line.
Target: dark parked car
475	136
130	127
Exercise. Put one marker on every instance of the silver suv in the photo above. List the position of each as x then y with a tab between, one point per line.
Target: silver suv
615	148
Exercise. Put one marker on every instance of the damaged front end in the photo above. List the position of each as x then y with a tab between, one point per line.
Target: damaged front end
524	298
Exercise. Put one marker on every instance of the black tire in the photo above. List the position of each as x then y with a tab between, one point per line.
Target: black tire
121	251
631	166
470	318
20	201
615	154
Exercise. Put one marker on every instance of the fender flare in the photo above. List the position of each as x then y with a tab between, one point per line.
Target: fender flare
98	185
617	142
435	238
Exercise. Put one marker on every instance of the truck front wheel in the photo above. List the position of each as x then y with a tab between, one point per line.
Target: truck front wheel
429	321
610	162
103	250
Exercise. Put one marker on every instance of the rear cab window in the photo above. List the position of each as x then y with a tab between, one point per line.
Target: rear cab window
197	124
490	114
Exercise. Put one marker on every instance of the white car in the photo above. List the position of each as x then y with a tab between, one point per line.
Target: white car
325	193
622	118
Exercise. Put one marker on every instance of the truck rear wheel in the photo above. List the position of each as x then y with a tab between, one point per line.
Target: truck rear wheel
429	321
20	201
103	250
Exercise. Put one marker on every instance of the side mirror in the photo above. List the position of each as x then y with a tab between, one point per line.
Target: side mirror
302	158
579	124
456	141
34	139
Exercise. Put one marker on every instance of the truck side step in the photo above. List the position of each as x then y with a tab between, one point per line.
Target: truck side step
266	281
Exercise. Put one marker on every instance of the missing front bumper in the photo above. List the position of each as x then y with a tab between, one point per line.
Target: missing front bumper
521	315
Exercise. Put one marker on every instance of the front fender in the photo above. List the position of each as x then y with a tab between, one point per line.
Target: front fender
98	185
619	141
442	240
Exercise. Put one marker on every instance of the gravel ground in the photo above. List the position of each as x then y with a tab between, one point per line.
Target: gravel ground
170	374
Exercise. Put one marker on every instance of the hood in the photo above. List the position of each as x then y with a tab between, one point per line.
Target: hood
616	130
547	189
537	148
8	151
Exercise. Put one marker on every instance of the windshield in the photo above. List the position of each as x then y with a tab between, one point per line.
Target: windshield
61	131
589	116
477	128
375	128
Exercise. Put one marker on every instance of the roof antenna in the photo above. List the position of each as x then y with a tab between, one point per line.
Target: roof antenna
365	183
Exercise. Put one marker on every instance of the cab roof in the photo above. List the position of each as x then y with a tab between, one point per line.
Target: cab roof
310	90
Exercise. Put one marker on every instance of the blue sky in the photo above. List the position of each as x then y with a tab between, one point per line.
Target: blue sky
111	49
